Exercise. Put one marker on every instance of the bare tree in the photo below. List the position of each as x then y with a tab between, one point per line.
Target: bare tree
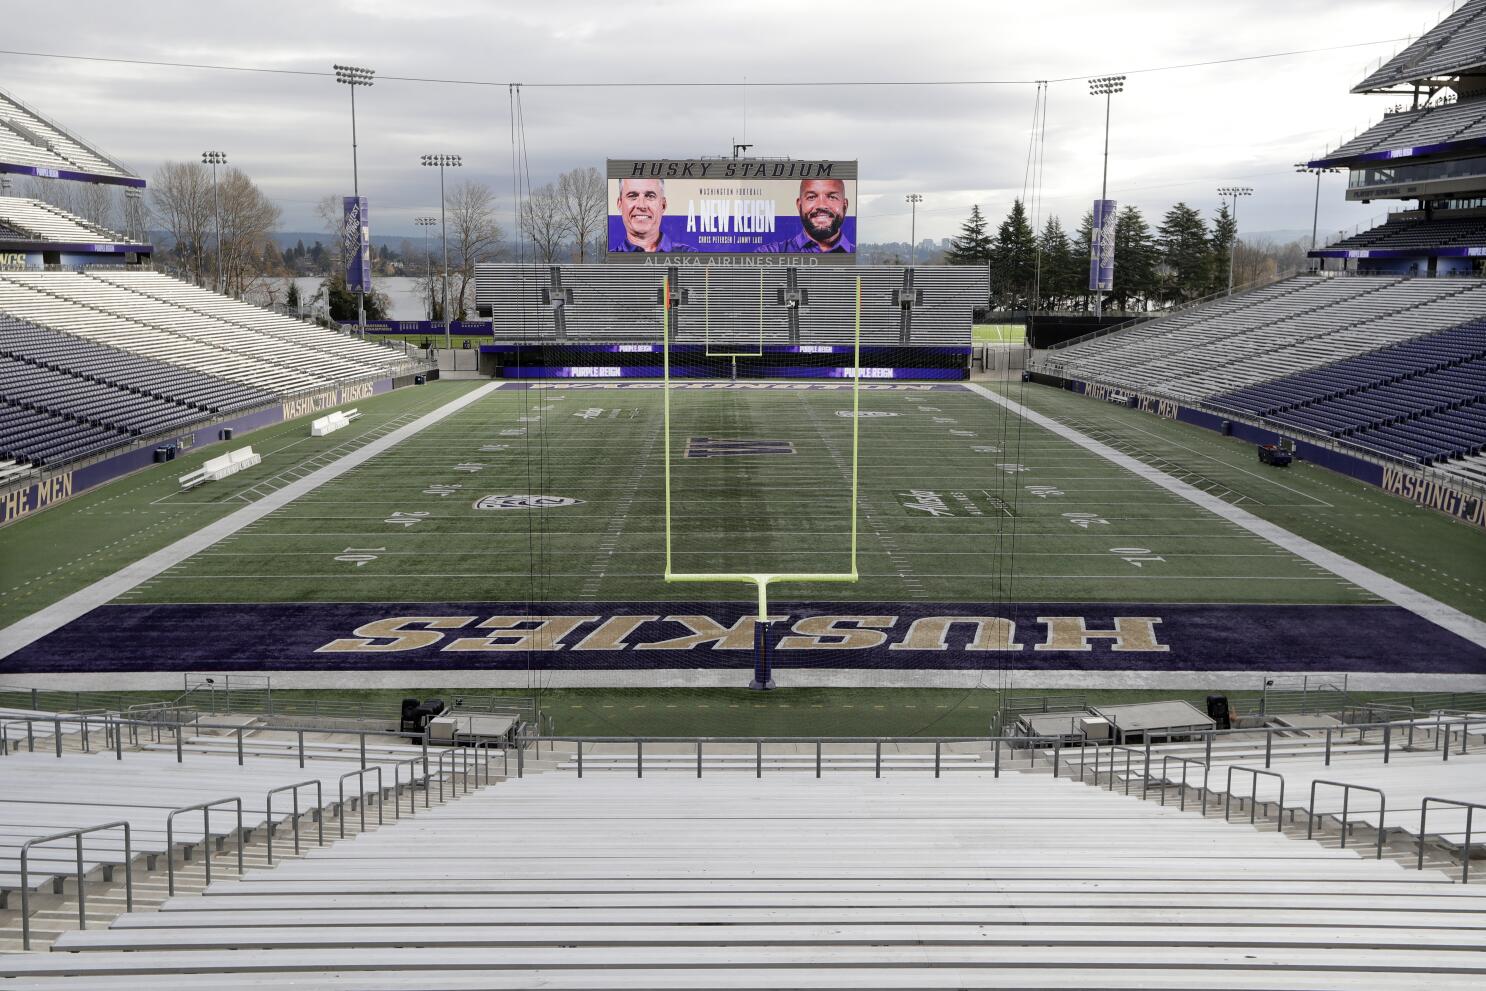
474	237
248	221
544	222
92	201
181	201
583	197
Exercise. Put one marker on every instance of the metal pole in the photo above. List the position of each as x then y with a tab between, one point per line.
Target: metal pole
1316	211
217	193
444	229
1232	252
1103	193
356	192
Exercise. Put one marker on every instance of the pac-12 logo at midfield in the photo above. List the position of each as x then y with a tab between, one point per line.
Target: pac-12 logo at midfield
525	502
864	414
711	447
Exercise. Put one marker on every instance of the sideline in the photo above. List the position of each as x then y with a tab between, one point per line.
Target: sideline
57	615
1431	609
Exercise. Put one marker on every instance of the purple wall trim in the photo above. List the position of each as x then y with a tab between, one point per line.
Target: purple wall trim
1392	154
43	173
609	636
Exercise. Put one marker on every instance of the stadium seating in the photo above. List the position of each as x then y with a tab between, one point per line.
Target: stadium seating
1412	128
68	399
615	303
84	359
27	138
1424	399
177	323
1400	234
1287	327
41	221
794	882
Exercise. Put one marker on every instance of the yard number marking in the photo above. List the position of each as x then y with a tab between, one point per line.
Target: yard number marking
1135	555
359	556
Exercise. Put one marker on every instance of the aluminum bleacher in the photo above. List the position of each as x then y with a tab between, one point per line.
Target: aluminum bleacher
61	773
1414	128
1422	400
903	881
171	321
29	139
1413	233
801	304
40	220
1288	327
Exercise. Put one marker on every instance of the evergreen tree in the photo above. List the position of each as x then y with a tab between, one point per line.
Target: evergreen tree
1185	253
1059	279
1225	234
1083	246
1135	261
973	246
1014	261
341	300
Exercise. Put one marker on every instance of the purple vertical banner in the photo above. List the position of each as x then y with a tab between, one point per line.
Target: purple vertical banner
356	243
1102	247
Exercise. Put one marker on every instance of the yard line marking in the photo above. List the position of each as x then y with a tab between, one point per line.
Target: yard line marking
1399	594
53	617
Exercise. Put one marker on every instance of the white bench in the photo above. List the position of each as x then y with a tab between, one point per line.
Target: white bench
218	468
333	422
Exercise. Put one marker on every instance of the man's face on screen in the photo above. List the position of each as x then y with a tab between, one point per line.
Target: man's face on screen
642	202
822	205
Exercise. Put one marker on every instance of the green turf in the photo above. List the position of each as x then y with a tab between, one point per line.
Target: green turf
54	553
1000	333
745	513
742	514
1421	548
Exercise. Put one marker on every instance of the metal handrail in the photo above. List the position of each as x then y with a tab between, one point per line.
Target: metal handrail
1347	789
206	838
82	916
360	774
1465	847
294	819
1279	819
697	744
1165	778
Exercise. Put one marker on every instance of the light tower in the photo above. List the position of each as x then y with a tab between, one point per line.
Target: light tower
426	223
1107	87
914	199
1235	192
1316	209
215	158
354	76
444	162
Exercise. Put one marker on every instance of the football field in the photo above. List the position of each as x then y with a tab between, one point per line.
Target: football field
485	532
959	501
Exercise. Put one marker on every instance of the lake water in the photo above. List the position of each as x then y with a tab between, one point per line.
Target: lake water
407	302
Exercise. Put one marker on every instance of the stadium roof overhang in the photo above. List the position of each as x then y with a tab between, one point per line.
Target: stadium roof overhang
1455	46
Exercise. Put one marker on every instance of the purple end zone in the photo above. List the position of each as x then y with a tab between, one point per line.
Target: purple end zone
696	635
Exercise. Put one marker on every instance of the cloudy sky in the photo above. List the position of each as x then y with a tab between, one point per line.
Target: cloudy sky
1177	134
